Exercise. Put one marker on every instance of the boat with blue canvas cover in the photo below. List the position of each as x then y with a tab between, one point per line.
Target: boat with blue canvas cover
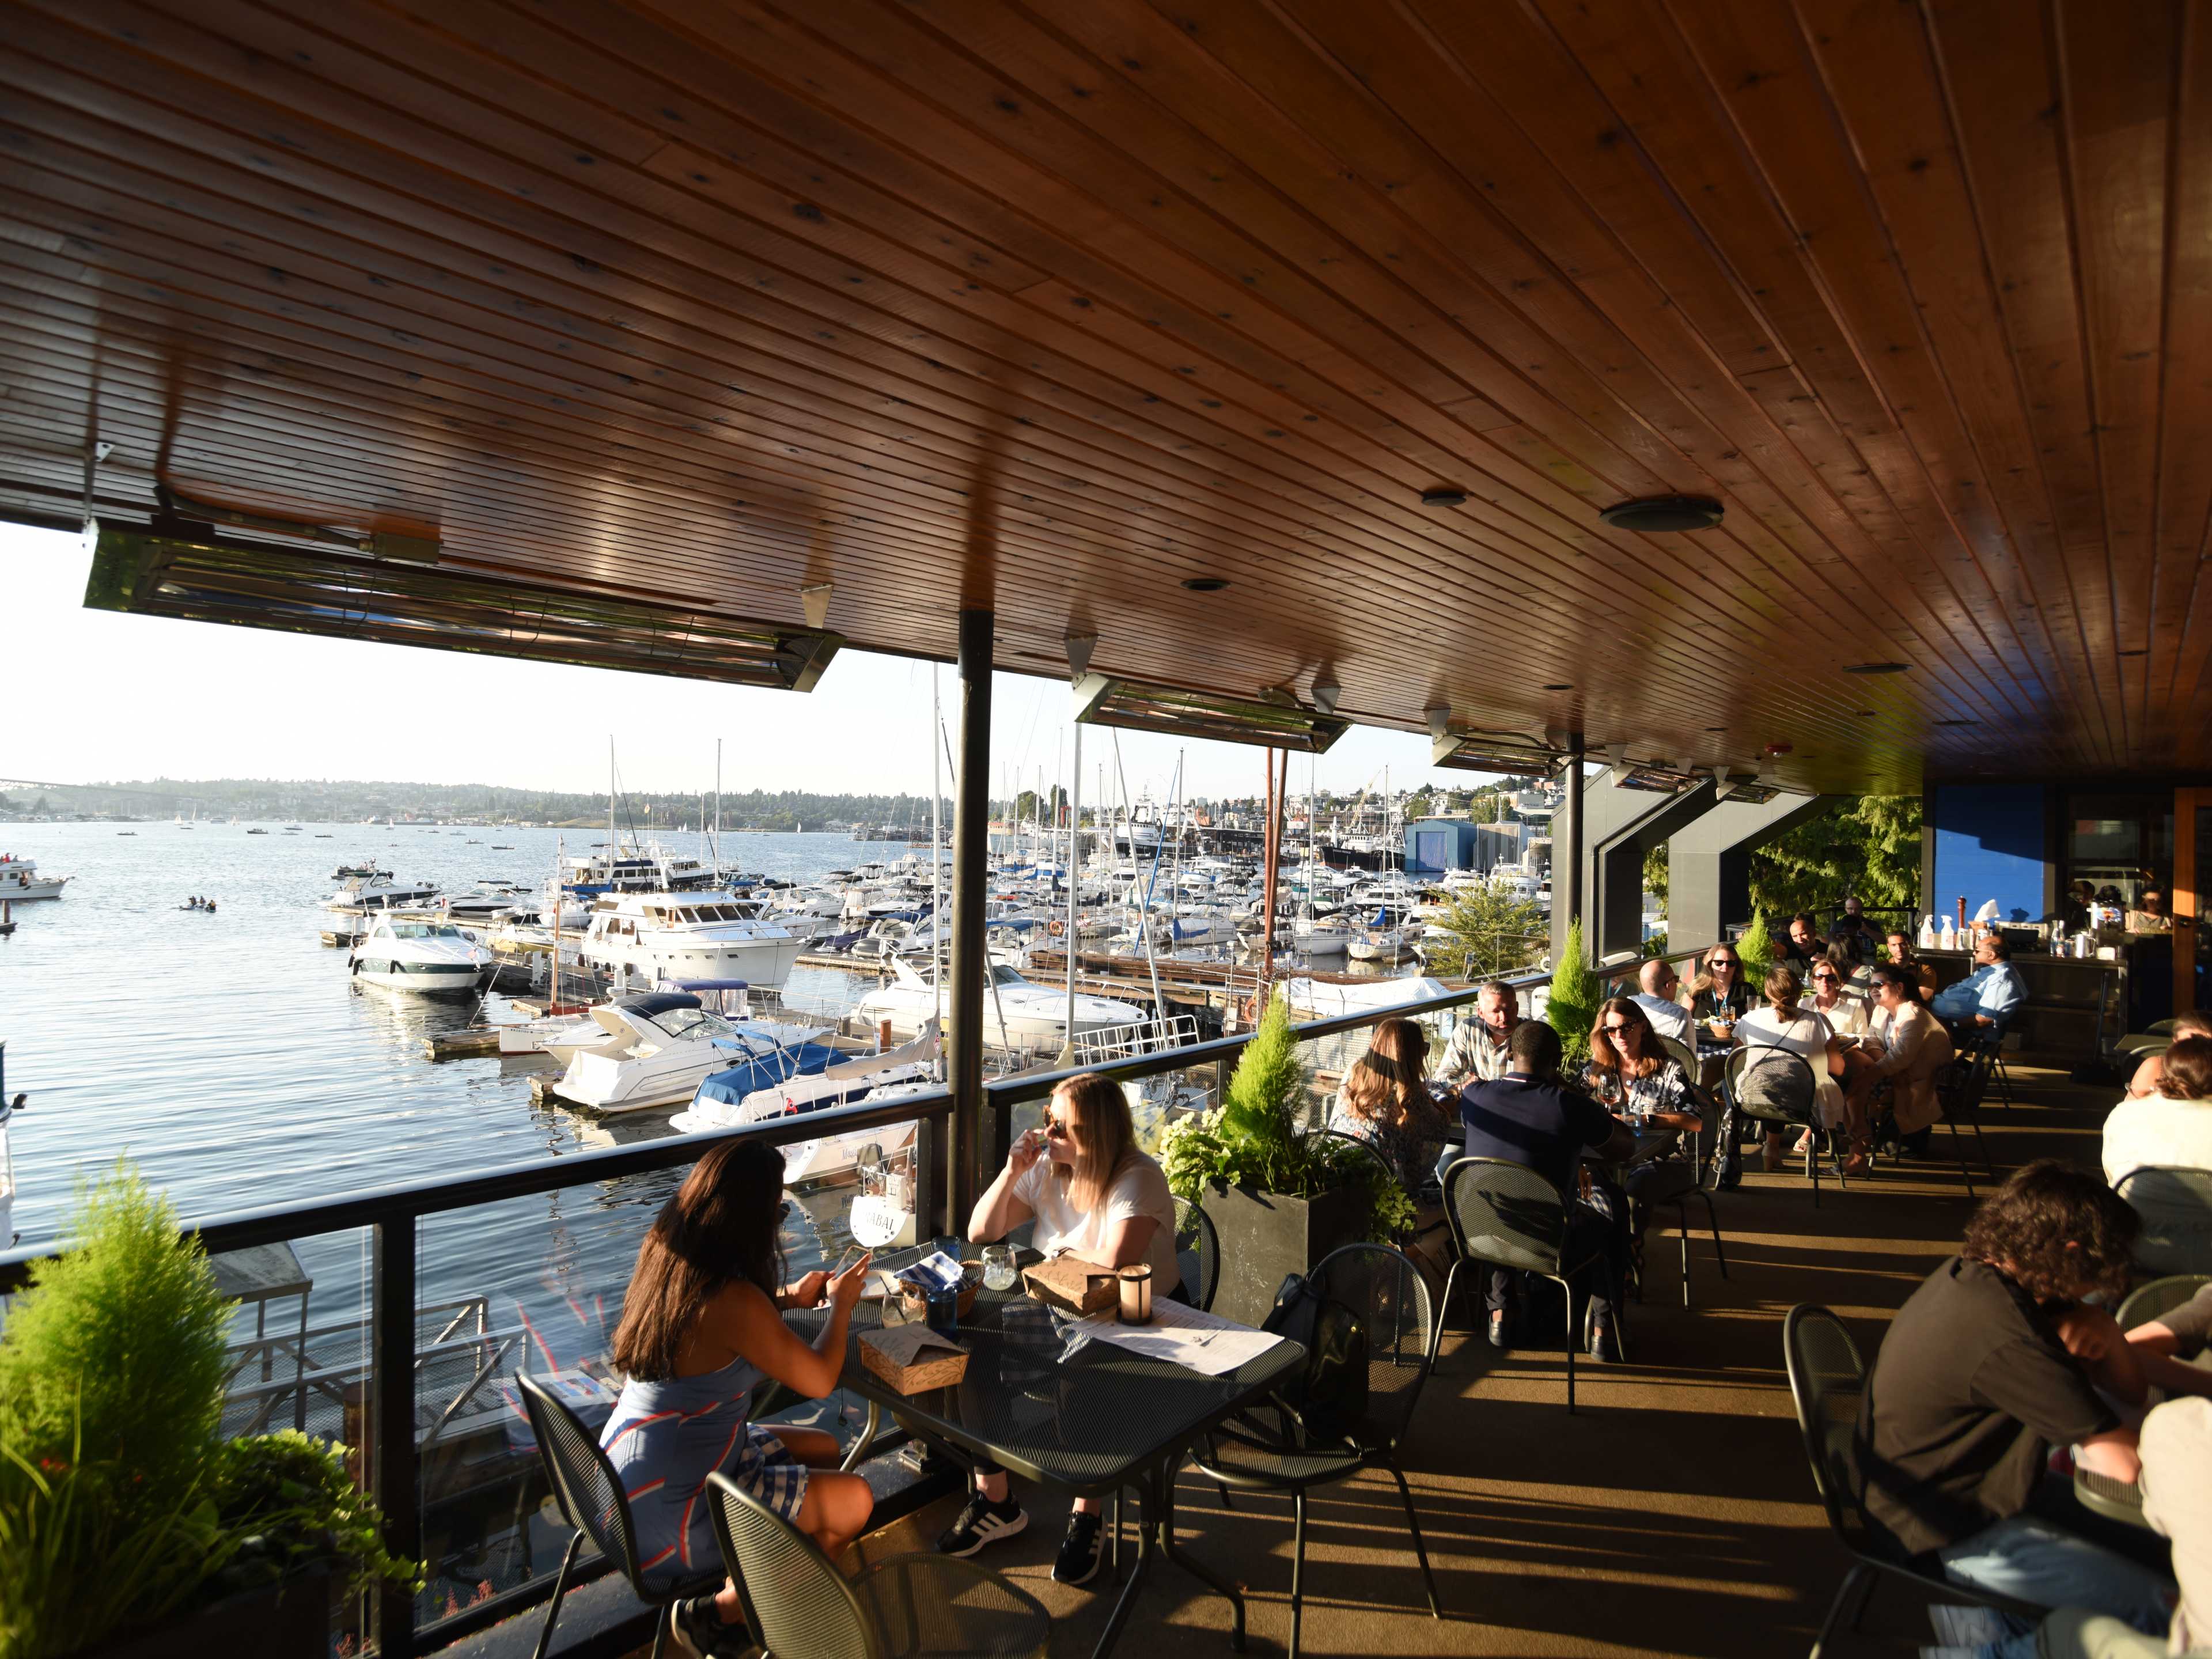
811	1076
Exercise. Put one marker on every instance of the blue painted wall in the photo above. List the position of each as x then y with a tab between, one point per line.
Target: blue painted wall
1989	845
1436	845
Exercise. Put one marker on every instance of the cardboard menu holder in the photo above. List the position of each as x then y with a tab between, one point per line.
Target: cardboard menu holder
1073	1285
912	1357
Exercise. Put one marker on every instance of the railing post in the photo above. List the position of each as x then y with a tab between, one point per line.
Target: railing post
392	1448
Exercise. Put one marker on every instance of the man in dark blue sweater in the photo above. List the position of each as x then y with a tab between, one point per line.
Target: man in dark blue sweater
1530	1117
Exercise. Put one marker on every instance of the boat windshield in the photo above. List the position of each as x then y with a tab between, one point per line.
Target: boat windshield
424	930
1002	975
692	1025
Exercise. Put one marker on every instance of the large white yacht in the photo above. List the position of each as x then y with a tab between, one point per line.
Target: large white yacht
19	879
425	958
1017	1013
665	935
378	891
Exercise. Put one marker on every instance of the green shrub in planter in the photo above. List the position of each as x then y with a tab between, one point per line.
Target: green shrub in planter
1572	1007
1755	950
121	1504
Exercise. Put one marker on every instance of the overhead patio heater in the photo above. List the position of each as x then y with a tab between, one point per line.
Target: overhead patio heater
1511	753
1107	700
176	570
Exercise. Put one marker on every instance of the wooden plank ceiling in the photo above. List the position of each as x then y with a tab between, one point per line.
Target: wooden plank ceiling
1053	308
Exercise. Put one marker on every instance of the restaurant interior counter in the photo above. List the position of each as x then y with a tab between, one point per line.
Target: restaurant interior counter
2077	1007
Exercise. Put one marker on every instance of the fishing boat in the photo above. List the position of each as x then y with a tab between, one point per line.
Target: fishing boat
422	958
19	879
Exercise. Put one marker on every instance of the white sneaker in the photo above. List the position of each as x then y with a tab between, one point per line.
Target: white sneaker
1967	1626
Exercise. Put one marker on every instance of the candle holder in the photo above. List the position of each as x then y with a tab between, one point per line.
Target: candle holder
1136	1287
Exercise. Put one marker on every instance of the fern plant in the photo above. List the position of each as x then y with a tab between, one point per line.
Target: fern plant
1255	1138
1570	1009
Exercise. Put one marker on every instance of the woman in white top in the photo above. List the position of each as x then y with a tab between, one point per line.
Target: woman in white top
1783	1023
1093	1194
2171	1128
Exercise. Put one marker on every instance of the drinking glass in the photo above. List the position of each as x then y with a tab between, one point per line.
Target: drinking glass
999	1272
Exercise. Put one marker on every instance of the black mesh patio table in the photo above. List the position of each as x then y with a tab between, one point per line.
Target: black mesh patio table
1089	1422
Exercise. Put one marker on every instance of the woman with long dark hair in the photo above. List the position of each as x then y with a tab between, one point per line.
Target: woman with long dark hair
1384	1101
701	1325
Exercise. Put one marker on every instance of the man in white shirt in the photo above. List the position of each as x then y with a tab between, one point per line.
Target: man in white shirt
1477	1047
1659	982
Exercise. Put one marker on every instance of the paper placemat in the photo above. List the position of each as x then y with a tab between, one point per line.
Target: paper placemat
1183	1335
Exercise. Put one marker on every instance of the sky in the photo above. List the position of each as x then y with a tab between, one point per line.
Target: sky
94	696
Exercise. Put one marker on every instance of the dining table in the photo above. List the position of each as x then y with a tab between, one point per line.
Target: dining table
1049	1401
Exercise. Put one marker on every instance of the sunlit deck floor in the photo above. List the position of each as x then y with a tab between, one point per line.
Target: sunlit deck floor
1674	1513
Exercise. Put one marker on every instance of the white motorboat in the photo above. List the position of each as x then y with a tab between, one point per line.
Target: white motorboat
19	879
666	1045
813	1078
424	958
377	890
484	901
1017	1014
665	935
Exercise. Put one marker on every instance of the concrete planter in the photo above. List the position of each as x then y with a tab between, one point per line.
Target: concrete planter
1266	1236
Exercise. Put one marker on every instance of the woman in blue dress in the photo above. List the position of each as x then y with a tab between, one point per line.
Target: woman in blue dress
701	1325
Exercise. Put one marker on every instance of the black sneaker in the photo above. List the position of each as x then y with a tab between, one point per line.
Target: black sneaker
1604	1342
982	1522
701	1632
1079	1551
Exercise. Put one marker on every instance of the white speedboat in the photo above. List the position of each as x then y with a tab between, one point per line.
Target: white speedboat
19	879
377	890
424	958
484	901
813	1078
1017	1014
666	1043
666	935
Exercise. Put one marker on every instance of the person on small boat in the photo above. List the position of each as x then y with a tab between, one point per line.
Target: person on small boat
701	1325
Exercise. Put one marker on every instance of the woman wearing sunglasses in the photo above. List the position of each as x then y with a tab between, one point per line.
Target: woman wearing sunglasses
1631	1074
701	1325
1717	998
1093	1194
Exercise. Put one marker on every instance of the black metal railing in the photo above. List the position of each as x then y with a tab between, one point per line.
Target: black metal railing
391	1216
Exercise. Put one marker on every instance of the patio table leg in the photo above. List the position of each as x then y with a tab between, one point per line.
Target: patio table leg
1190	1565
1147	1517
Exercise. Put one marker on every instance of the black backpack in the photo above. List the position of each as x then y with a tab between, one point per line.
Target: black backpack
1330	1396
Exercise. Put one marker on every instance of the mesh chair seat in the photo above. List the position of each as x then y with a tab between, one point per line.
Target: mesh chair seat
1235	1461
937	1604
1507	1215
1773	1084
2158	1298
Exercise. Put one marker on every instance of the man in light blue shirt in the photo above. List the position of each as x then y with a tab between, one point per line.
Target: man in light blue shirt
1986	998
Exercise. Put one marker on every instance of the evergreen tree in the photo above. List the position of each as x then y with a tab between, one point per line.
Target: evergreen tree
1571	1008
1755	950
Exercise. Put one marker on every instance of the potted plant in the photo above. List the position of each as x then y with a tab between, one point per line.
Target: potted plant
1280	1199
1755	950
1571	1007
127	1523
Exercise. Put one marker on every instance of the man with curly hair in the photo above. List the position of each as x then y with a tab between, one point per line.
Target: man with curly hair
1995	1359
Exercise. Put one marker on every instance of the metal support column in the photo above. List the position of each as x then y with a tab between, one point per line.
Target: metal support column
1567	852
391	1451
971	833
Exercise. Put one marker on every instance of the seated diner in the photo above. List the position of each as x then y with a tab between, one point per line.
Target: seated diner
1785	1022
1095	1193
1633	1077
1986	999
2171	1128
701	1325
1385	1102
2144	1082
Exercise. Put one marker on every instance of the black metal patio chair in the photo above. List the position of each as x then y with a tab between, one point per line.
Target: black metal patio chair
1507	1215
1826	1378
1391	1298
800	1606
1774	1085
590	1497
2175	1204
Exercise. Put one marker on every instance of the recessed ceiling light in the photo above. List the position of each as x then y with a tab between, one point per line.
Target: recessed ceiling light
1443	496
1661	514
1206	584
2139	651
1866	714
1716	728
1875	667
1955	722
1562	686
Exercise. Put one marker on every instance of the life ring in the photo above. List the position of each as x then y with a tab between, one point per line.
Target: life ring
1055	927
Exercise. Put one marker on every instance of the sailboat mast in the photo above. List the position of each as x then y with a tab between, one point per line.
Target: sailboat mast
936	843
718	811
1074	885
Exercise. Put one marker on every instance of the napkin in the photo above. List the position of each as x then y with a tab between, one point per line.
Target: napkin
935	1272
